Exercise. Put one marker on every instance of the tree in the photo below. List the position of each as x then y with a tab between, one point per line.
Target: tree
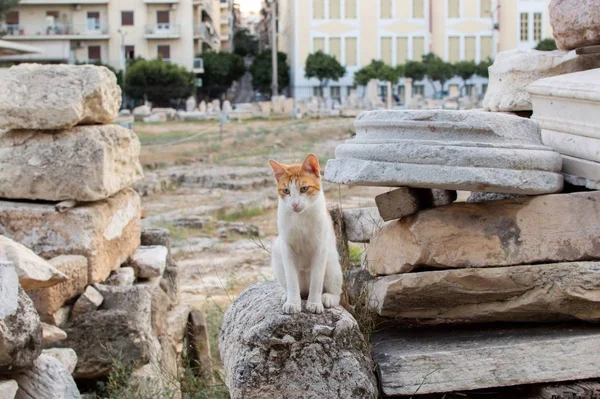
5	7
465	70
244	43
221	70
378	70
482	68
158	81
261	71
415	70
437	70
548	44
323	67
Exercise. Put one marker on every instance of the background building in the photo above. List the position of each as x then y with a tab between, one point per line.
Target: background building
226	22
395	31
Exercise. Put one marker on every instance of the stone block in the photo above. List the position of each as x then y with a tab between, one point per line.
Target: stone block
85	163
89	301
405	201
123	276
177	322
48	300
451	150
48	378
542	229
8	389
34	96
61	316
150	261
106	232
575	23
361	223
199	348
52	334
66	356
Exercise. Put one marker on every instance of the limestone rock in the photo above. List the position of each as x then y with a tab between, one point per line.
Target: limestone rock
199	348
156	236
66	356
20	336
499	233
52	334
150	261
539	293
48	300
265	353
9	289
451	150
8	389
159	313
48	378
34	96
33	271
61	316
361	223
85	163
575	23
123	276
89	301
105	232
513	70
477	197
462	359
405	201
177	321
341	239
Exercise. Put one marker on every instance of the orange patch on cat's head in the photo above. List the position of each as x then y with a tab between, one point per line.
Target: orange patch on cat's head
305	174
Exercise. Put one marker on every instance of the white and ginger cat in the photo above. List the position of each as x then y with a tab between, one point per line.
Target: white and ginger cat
304	256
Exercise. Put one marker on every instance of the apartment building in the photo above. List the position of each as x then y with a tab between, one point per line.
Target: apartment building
113	31
226	25
396	31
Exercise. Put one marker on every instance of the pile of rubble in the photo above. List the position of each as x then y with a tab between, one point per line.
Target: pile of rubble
81	283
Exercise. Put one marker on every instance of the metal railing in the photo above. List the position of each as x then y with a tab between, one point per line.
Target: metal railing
163	30
57	29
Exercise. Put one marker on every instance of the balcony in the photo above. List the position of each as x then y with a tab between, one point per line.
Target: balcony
162	31
56	32
60	2
204	4
198	65
206	32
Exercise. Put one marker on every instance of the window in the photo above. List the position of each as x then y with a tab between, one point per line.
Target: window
350	12
94	54
401	50
93	20
318	44
524	27
317	91
485	47
164	52
53	14
418	48
453	8
12	22
336	93
351	58
470	48
386	9
386	50
418	10
537	26
163	20
335	47
470	89
485	8
126	18
318	9
418	90
334	9
129	53
453	49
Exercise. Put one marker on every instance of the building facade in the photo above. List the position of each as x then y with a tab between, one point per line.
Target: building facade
226	25
397	31
114	31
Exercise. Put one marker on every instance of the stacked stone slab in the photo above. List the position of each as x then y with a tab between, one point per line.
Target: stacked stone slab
439	270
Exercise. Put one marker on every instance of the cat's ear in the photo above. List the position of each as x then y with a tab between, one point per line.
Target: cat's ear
311	165
278	169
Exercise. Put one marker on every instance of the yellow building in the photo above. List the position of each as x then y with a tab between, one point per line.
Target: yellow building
396	31
113	31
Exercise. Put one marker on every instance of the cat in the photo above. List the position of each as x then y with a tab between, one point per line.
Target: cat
305	259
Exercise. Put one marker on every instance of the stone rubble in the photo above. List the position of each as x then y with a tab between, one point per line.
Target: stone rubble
89	301
66	356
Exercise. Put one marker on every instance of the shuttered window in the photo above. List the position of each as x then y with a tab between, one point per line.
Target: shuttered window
12	18
162	17
318	44
470	48
350	12
524	27
485	47
418	48
334	9
164	51
485	8
385	9
386	50
401	50
318	9
418	9
127	18
94	53
453	49
351	58
453	9
335	48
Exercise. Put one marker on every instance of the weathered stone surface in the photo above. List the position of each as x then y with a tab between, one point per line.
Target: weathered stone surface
268	354
20	336
170	283
48	378
52	334
121	329
362	223
156	236
513	70
8	389
199	348
89	301
341	239
61	316
550	292
498	233
34	96
66	356
150	261
48	300
33	271
575	23
9	289
405	201
105	232
578	389
461	359
122	276
159	378
177	321
85	163
477	197
452	150
160	308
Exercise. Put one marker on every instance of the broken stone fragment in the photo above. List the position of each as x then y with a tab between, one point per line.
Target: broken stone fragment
52	334
405	201
89	301
150	261
123	276
48	378
66	356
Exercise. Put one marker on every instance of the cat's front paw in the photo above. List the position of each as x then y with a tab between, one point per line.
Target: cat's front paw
314	307
330	300
291	308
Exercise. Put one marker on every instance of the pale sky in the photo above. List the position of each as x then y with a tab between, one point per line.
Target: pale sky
249	5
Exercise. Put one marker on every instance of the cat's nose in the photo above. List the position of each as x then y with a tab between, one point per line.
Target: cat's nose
295	205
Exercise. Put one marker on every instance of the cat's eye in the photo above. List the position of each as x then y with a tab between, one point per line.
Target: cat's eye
303	189
286	191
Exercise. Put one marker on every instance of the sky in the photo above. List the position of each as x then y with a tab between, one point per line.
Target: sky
249	5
